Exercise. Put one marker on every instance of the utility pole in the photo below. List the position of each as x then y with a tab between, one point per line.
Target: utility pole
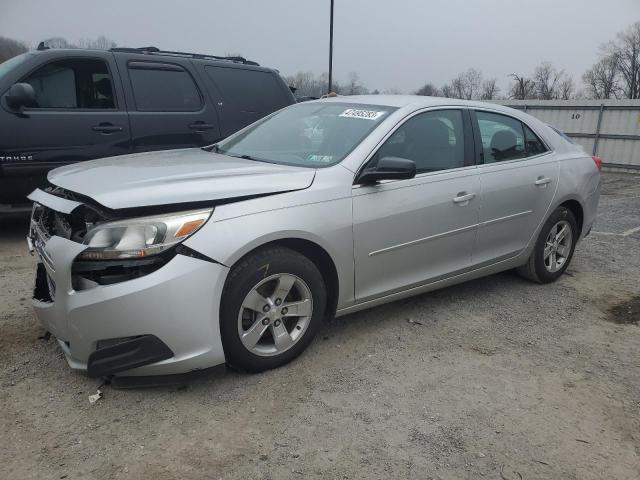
331	50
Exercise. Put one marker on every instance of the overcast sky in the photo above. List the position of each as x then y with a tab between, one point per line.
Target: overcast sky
397	44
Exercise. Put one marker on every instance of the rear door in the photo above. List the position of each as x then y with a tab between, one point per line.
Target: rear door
167	107
80	115
244	94
518	177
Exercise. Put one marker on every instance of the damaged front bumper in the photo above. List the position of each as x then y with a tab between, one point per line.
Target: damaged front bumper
164	322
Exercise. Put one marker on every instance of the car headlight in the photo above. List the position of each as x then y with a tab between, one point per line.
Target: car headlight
141	237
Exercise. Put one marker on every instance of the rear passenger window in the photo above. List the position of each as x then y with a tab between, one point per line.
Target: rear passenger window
433	140
502	137
78	83
164	90
248	90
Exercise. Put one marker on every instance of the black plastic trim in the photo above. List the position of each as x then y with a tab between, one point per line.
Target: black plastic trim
190	252
140	351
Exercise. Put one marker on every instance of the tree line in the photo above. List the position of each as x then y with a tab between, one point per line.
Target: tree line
10	47
615	74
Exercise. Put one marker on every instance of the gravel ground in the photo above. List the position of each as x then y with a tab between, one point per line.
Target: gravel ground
496	378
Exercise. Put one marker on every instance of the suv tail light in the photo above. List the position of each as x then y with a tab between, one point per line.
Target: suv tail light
598	161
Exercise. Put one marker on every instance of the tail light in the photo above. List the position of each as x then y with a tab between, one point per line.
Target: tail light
598	161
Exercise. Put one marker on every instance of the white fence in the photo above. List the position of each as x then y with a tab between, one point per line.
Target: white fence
607	128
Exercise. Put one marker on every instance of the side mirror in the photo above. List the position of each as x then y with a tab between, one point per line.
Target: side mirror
21	95
388	168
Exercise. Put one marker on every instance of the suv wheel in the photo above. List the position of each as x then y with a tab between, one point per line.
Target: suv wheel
272	306
554	248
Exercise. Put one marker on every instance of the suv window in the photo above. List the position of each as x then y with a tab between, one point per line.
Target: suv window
248	90
433	140
164	90
78	83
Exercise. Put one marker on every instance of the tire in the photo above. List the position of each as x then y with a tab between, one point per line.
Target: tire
252	285
537	267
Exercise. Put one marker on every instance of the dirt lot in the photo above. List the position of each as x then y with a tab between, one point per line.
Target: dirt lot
496	378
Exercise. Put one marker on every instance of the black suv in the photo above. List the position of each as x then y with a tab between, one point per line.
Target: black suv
63	106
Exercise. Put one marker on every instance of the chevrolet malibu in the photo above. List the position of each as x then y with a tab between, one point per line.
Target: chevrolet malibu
169	262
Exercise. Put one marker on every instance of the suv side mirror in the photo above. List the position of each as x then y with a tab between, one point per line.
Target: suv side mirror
21	95
388	168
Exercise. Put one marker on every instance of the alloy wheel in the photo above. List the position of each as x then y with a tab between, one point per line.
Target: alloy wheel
557	247
275	314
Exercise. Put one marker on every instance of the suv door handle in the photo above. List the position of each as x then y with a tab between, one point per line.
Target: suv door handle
542	181
106	128
201	126
463	198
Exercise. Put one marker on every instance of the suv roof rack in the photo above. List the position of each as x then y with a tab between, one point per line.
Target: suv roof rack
201	56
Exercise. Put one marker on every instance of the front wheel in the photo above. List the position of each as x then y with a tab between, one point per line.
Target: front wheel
553	249
272	306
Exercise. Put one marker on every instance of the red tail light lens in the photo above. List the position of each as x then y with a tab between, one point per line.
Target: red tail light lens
598	162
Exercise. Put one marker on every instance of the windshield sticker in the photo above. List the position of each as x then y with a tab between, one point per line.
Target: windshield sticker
320	158
365	114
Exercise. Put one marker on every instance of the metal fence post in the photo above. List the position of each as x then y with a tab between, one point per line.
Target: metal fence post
597	137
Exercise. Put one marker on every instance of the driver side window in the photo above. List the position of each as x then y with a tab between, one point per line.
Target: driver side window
433	140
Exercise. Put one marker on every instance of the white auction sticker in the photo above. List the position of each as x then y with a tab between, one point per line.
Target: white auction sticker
366	114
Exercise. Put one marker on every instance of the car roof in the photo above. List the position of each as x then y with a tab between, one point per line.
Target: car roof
412	102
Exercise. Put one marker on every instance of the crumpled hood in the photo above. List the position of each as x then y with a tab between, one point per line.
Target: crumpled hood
176	176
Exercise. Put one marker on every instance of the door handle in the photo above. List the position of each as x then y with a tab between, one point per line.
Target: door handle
106	128
542	181
201	126
463	198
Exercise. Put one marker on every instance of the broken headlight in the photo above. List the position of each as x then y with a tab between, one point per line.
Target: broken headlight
141	237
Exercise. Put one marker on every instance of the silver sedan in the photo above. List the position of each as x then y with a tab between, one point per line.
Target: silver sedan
168	262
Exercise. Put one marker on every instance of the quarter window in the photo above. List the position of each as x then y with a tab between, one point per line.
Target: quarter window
164	90
534	145
433	140
78	83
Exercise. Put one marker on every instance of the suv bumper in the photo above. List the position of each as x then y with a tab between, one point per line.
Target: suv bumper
178	304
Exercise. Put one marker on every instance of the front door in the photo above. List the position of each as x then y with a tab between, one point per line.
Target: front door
518	177
411	232
80	115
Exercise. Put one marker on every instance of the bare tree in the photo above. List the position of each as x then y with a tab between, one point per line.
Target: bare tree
627	51
602	79
429	90
10	48
466	85
100	43
58	42
547	80
489	89
522	88
355	87
566	88
447	91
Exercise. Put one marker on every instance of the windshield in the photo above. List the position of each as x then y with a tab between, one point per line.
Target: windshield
309	135
13	62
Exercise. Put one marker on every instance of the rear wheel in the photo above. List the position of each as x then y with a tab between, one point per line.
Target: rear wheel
554	248
272	306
